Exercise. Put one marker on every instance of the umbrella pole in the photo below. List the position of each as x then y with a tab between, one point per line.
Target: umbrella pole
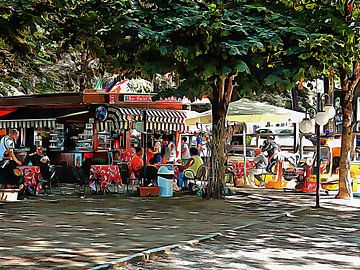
244	149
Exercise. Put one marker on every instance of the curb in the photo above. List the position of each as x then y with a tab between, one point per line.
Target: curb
153	252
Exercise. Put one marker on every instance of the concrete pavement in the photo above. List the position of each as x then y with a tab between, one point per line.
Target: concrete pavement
68	232
322	238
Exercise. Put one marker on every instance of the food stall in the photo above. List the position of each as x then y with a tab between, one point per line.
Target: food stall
74	127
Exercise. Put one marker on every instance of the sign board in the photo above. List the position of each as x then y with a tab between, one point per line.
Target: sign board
137	98
111	99
101	113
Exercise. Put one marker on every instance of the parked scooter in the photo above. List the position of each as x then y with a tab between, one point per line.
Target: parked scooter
301	174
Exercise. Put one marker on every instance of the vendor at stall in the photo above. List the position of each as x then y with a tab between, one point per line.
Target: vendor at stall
8	161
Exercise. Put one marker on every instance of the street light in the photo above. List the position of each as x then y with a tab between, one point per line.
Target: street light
323	115
307	123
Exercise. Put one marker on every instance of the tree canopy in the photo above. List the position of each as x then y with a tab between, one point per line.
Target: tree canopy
212	47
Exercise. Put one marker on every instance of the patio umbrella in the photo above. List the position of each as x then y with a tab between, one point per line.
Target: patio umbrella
248	111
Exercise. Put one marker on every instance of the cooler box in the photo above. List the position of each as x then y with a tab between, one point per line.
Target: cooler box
10	195
165	181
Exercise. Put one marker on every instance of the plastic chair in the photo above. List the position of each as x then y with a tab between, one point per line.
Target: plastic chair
128	176
200	174
81	179
54	180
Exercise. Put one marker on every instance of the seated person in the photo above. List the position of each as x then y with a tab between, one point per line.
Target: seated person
137	162
36	157
151	173
261	163
8	161
189	170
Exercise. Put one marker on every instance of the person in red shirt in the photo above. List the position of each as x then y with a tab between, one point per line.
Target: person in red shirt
137	162
149	153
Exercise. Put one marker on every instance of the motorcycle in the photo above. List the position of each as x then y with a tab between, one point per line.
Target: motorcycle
275	155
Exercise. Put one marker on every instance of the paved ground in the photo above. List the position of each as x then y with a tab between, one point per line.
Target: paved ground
68	232
326	239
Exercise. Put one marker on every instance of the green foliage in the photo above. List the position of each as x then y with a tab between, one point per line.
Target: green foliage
269	44
204	41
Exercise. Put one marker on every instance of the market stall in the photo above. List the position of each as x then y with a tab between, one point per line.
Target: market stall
73	128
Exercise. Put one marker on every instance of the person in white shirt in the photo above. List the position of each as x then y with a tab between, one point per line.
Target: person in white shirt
168	149
8	161
185	152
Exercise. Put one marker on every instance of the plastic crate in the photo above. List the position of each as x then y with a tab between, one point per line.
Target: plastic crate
149	191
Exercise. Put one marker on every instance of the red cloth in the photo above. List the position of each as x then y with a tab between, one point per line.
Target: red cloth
126	155
106	174
238	168
32	176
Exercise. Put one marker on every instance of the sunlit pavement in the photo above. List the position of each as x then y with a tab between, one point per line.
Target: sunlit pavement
72	233
325	238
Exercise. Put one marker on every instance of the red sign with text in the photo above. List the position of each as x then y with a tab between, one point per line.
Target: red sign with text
136	98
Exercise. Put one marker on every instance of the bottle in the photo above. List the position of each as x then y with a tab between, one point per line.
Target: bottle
30	163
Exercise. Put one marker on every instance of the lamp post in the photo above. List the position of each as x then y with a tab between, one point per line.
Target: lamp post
323	115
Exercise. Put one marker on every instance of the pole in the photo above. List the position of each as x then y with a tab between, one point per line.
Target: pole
144	180
244	145
317	127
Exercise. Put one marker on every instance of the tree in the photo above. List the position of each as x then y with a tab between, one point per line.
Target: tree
338	47
46	43
214	47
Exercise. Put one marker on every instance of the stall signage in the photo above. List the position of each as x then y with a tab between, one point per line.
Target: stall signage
137	98
101	113
112	99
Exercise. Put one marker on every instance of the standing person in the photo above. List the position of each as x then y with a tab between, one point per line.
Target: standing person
8	161
157	147
172	149
157	144
168	150
199	141
185	152
149	153
261	162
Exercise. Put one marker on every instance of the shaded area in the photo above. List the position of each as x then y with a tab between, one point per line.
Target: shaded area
314	239
68	232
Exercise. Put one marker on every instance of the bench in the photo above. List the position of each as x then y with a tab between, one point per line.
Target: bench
9	194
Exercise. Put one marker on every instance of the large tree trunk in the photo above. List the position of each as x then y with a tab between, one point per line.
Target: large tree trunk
220	99
348	86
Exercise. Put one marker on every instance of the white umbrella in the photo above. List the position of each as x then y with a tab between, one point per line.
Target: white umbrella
248	111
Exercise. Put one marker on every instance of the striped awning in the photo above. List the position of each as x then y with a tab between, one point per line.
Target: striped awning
28	123
39	118
157	119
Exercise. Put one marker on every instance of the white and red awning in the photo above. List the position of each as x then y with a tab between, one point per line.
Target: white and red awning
157	119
